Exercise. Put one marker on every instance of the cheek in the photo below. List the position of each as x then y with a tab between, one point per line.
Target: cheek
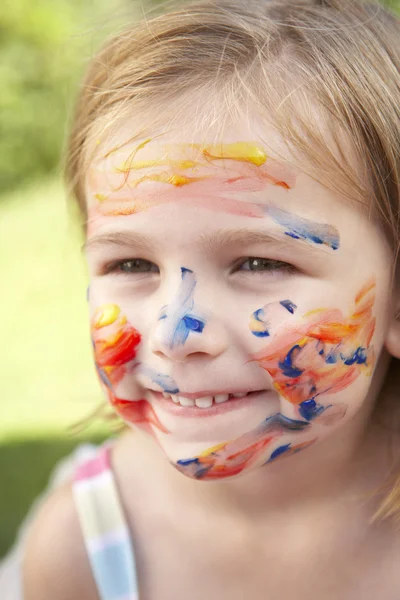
320	353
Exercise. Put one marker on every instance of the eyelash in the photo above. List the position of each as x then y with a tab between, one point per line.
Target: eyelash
270	264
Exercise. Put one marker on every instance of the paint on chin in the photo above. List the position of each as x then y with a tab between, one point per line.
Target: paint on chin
115	345
232	457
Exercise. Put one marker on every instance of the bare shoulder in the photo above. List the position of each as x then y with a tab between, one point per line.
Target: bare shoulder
56	566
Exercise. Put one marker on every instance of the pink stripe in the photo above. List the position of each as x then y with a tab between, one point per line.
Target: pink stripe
94	466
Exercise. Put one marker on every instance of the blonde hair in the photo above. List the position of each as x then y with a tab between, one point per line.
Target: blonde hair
278	59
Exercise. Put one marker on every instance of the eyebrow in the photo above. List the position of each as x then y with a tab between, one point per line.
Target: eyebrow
213	242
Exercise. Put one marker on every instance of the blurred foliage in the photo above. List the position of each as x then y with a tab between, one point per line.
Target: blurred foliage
44	47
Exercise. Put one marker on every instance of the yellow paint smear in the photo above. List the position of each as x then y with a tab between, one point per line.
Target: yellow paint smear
182	165
213	449
241	151
106	315
165	177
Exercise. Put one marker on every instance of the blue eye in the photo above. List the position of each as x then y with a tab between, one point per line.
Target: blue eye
264	264
133	265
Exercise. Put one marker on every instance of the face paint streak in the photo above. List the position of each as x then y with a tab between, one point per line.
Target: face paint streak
115	344
230	458
218	198
242	151
300	228
176	322
323	355
289	450
165	383
259	324
289	305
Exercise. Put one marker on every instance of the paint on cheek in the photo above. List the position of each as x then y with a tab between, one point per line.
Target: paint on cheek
177	319
259	323
115	344
164	382
324	354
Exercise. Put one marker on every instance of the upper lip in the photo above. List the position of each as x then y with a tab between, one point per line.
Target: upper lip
204	393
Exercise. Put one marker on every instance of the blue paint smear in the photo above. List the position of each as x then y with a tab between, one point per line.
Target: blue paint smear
287	366
193	324
289	305
260	334
279	421
359	357
178	322
309	410
279	451
259	316
165	382
305	229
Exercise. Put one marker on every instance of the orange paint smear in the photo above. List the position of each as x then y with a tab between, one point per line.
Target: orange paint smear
320	355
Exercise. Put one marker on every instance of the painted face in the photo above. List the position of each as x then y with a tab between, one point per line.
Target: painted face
237	305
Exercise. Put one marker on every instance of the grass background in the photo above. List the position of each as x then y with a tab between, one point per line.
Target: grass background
47	376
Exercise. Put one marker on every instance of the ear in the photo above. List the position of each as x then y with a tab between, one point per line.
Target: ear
392	341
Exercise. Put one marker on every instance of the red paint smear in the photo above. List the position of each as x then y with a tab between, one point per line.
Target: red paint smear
118	349
112	353
232	464
138	412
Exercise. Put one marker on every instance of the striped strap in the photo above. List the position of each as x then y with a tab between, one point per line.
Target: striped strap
104	529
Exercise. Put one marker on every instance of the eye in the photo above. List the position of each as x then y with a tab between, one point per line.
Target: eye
132	265
258	264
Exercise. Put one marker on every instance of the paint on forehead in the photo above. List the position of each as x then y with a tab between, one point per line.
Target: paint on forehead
181	165
323	354
213	191
177	320
299	228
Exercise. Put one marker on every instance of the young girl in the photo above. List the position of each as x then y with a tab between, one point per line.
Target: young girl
237	167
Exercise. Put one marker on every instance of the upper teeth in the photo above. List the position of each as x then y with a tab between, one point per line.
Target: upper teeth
205	401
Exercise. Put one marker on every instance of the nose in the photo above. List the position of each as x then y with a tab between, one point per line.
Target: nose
181	331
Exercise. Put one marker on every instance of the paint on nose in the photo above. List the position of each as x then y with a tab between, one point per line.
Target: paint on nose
178	317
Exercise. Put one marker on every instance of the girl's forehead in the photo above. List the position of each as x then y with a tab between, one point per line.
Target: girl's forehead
239	167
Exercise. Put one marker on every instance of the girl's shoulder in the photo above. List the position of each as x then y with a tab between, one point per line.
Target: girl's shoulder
56	565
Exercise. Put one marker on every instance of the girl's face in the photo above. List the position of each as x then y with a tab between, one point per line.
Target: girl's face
237	306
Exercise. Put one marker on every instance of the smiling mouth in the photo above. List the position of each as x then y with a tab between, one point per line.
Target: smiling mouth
206	401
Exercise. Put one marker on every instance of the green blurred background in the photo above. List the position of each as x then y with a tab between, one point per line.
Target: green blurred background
47	377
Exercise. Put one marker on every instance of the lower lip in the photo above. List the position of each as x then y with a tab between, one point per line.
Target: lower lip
195	412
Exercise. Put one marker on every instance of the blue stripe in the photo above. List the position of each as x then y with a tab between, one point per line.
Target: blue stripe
113	569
